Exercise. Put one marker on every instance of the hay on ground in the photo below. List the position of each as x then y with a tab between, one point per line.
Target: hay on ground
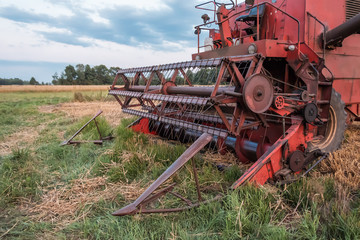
344	164
111	110
66	204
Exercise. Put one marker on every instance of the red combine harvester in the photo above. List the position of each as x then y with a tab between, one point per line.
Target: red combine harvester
282	80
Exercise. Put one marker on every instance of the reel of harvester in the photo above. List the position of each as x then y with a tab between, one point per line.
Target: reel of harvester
239	108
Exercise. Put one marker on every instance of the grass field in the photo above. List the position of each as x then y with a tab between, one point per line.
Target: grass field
53	192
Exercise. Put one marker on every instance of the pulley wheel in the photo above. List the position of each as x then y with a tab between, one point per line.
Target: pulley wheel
258	93
296	161
279	102
310	112
305	96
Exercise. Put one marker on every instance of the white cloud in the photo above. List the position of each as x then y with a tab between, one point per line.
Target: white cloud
43	27
147	5
22	44
138	7
95	17
39	7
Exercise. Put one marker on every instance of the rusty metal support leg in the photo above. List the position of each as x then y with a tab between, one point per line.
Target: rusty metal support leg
100	141
98	129
137	205
78	131
196	180
270	162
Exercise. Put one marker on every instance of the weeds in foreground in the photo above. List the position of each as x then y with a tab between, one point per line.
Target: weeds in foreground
20	177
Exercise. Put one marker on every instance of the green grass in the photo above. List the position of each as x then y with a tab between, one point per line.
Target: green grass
307	209
19	177
19	110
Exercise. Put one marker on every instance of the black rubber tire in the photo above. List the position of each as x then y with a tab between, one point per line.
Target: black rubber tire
336	126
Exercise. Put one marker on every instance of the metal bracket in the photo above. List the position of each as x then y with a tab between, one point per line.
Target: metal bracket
99	142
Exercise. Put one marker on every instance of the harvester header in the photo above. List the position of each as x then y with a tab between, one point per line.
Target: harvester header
271	84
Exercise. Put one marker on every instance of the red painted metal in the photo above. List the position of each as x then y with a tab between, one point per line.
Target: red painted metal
142	126
270	80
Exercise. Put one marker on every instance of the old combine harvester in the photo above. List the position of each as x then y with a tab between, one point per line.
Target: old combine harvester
282	79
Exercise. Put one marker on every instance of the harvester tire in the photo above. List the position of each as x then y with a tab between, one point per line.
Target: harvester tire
335	127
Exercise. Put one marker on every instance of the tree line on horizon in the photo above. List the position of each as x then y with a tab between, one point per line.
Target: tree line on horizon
85	75
18	81
101	75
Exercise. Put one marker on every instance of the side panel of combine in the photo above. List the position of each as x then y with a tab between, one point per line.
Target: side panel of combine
341	61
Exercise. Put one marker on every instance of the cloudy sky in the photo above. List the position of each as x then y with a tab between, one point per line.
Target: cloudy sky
41	37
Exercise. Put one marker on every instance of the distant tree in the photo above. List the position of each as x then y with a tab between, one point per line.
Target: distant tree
70	75
89	75
33	81
55	80
80	74
113	71
85	75
12	81
102	74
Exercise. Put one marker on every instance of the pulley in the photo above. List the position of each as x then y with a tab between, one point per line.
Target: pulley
258	93
310	112
296	161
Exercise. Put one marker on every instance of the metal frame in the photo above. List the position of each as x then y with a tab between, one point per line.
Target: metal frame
99	142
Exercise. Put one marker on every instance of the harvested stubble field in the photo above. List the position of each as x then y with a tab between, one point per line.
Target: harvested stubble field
53	192
52	88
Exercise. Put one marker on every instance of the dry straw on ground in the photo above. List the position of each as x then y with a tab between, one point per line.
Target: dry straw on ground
344	164
111	110
23	138
66	204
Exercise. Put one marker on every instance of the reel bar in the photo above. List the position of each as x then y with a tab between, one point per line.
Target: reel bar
214	62
135	91
180	123
176	99
125	93
192	115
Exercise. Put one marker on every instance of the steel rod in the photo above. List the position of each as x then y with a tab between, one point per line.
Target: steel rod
195	91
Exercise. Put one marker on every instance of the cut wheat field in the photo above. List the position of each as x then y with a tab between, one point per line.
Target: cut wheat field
52	88
48	191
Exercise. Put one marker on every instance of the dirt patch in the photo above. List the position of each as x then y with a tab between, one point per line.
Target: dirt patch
111	110
18	140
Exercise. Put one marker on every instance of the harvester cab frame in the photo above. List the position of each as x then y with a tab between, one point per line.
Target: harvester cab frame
280	88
